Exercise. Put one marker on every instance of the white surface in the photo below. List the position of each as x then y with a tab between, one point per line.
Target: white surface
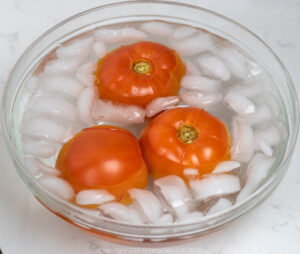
27	227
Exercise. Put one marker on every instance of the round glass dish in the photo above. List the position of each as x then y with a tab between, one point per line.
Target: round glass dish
145	11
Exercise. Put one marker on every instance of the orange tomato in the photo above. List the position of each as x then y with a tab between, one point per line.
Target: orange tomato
103	157
138	73
182	138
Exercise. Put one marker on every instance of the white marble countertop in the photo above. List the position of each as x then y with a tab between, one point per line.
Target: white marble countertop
27	227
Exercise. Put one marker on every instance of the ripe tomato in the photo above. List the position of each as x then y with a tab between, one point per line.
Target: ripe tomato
103	157
182	138
138	73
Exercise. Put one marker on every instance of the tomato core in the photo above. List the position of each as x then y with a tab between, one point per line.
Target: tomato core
187	133
141	67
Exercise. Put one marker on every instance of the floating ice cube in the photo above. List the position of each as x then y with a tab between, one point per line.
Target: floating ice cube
262	115
284	133
257	170
55	106
60	83
270	134
159	104
39	149
191	174
121	35
84	105
183	32
60	65
226	166
272	103
191	69
160	29
200	99
191	217
166	218
222	204
85	73
93	197
124	114
200	83
235	61
45	129
261	145
247	90
147	204
121	212
200	42
214	67
175	193
240	104
32	168
214	185
37	166
57	186
100	49
243	140
80	48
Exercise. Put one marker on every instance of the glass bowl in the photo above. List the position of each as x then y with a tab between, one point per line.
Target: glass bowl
144	11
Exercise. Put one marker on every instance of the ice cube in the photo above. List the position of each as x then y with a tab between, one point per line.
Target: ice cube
159	104
226	166
121	35
183	32
39	149
60	83
57	186
261	145
214	185
93	197
80	48
272	103
191	174
121	212
123	114
44	128
257	170
262	115
166	218
160	29
222	204
235	61
41	167
240	104
100	49
84	105
191	69
61	65
147	204
243	140
191	217
200	99
200	83
55	106
175	193
214	67
198	43
85	73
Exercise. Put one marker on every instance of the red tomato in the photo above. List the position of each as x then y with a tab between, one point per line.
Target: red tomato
138	73
103	157
182	138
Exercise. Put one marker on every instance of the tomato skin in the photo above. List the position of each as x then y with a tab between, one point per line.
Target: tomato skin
103	157
165	154
117	81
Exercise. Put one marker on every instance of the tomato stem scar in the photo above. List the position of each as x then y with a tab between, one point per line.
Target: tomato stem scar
141	67
187	133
